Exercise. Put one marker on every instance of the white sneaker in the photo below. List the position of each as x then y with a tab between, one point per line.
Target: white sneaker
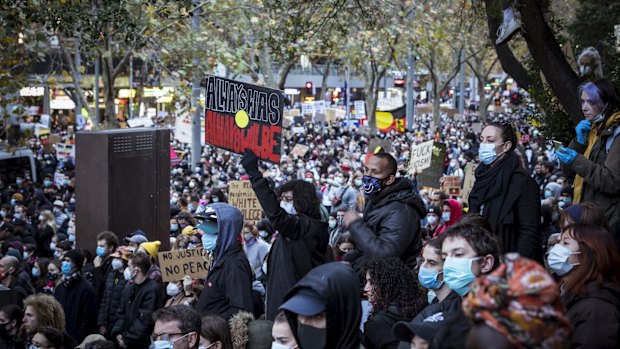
505	31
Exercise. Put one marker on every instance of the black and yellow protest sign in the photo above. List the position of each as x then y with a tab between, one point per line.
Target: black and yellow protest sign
176	264
241	115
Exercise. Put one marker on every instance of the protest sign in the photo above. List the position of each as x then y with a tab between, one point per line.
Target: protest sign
421	156
140	122
298	120
300	150
319	107
452	185
477	127
375	143
300	130
183	129
468	183
430	176
242	196
65	152
241	115
360	109
176	264
307	108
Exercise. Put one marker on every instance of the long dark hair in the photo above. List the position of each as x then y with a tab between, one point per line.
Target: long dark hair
305	199
215	328
598	260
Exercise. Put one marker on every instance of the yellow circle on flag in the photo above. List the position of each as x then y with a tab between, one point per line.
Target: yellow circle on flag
241	119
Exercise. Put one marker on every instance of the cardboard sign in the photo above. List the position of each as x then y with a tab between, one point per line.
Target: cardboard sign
477	127
140	122
300	150
65	152
307	109
421	156
360	109
319	107
430	176
299	130
183	129
452	185
468	182
242	196
241	115
176	264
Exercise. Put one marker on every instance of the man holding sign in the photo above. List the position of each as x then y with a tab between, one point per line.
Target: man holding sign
229	283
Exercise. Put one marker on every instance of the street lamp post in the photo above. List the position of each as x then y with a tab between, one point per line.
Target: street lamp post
196	147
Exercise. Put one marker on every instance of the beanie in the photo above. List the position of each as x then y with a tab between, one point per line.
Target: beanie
151	248
76	257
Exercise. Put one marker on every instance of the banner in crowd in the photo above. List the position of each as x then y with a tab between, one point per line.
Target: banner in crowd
176	264
430	176
241	115
452	185
468	182
242	196
421	156
65	152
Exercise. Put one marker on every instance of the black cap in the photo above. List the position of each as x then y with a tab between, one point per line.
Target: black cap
426	329
434	209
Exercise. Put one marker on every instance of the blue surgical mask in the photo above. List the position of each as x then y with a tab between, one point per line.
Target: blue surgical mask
372	185
445	216
430	296
457	274
100	251
36	272
567	200
548	194
209	241
487	153
359	182
47	183
428	278
174	227
558	260
65	267
71	237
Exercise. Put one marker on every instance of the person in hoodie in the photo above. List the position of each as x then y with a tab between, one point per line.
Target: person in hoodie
228	288
303	237
391	223
587	261
394	295
324	309
451	212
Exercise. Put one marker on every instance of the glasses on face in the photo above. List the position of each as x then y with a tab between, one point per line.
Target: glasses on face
287	198
167	337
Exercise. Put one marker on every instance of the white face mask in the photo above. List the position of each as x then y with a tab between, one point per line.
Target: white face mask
432	220
117	264
127	274
172	289
276	345
288	207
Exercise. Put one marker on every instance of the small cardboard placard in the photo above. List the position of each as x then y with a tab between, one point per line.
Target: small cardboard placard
421	156
242	196
468	182
430	176
300	150
176	264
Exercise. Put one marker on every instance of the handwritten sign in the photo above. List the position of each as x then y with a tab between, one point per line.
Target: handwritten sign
241	115
176	264
319	107
65	152
421	157
242	196
307	109
468	183
430	176
300	150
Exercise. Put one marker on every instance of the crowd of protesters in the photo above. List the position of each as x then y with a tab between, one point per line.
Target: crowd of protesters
352	252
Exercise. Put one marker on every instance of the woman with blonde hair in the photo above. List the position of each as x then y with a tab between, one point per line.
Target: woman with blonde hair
44	232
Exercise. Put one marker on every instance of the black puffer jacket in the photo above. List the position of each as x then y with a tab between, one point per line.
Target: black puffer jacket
111	300
391	224
135	314
335	283
378	328
300	246
79	302
595	317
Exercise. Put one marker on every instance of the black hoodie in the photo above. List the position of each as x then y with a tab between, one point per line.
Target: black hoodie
336	283
391	224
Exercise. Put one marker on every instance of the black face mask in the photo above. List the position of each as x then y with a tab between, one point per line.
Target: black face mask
52	276
4	332
311	337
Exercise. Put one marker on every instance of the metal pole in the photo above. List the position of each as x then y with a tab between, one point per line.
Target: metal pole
130	87
96	116
78	82
46	100
348	93
196	147
462	82
410	111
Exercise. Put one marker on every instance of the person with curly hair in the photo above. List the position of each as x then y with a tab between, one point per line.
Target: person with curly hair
43	310
395	295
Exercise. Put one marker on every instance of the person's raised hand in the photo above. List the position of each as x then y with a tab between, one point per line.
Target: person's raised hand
187	284
582	129
249	161
566	155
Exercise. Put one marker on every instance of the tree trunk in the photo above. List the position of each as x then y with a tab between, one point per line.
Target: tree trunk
325	75
284	73
483	103
436	108
370	91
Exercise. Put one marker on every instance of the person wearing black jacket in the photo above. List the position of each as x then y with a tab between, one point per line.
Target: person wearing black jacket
114	287
77	298
324	308
505	194
107	242
391	223
228	289
141	298
9	276
302	241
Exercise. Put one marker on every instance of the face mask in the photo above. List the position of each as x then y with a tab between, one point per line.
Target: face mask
457	274
209	241
52	276
339	180
548	194
72	201
248	236
598	119
174	227
172	289
19	181
36	272
288	207
72	237
558	260
65	267
585	70
372	185
487	153
567	200
42	218
428	278
26	255
311	337
173	201
47	183
127	274
215	199
309	180
432	220
359	182
332	224
17	215
100	251
57	255
132	249
445	216
117	264
276	345
166	344
192	185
